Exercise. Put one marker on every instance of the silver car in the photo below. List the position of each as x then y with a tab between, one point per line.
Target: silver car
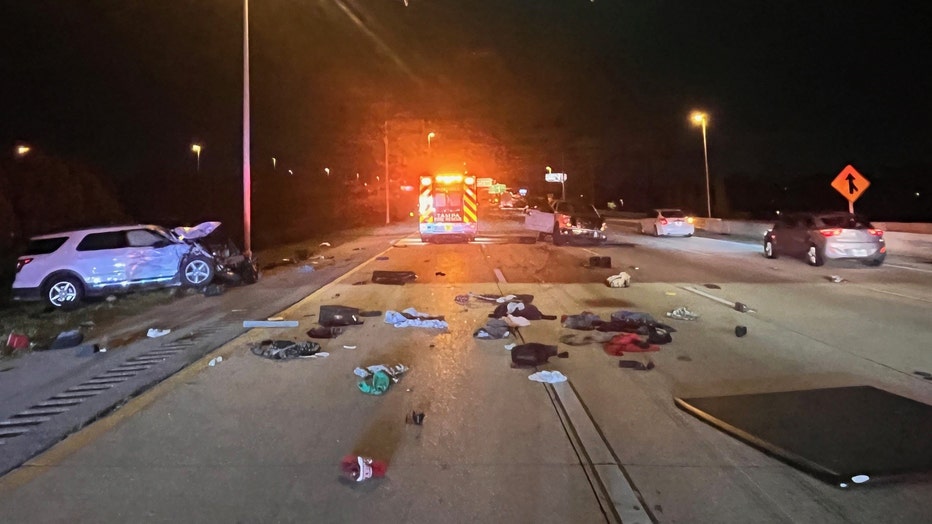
822	236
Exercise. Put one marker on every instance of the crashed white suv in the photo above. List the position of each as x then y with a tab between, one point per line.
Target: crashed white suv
63	268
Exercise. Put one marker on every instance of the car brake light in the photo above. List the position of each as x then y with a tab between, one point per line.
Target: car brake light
875	232
22	262
663	221
834	232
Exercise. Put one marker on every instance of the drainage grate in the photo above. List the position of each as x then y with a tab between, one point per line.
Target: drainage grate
23	421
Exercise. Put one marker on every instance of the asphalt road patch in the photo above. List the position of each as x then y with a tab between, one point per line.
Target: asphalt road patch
834	434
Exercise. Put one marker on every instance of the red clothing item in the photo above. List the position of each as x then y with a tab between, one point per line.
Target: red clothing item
628	343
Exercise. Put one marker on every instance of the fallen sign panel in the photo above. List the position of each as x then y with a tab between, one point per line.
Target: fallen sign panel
834	434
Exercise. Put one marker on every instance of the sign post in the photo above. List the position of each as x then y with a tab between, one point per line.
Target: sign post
850	184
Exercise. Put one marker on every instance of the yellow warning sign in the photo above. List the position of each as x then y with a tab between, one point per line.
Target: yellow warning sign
850	183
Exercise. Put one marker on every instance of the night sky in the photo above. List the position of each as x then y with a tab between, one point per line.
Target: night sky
599	89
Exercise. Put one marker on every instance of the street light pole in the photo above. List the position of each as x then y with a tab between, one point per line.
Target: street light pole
385	139
429	136
702	120
247	182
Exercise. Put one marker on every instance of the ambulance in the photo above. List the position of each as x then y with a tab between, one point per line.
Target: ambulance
448	207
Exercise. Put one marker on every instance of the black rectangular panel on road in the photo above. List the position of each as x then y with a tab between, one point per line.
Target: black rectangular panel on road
833	433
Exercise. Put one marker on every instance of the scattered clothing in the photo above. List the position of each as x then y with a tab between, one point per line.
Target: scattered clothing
534	354
461	299
620	280
681	313
520	309
634	364
549	377
509	347
285	349
584	320
378	378
596	337
155	333
628	342
495	328
413	318
514	321
67	339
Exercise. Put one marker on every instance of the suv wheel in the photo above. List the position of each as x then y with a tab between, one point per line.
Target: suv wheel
814	256
197	271
64	292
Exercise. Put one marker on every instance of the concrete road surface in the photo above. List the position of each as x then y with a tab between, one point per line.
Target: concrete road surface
252	440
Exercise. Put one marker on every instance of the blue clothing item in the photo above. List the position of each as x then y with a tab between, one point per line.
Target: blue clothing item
412	318
632	315
584	320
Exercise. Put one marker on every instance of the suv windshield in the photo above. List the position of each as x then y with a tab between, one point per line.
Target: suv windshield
673	213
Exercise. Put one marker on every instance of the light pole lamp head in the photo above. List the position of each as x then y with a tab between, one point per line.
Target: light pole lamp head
699	118
196	148
22	150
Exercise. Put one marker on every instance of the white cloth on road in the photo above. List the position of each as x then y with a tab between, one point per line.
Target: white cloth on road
550	377
404	319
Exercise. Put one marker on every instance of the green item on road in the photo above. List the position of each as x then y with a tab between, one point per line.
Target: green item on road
376	384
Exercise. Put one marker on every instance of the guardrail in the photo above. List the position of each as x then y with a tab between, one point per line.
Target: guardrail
910	239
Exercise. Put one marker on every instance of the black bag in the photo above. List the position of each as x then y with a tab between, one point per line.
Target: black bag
338	316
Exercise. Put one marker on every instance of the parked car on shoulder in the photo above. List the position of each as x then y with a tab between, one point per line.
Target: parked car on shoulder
667	222
63	268
818	237
566	222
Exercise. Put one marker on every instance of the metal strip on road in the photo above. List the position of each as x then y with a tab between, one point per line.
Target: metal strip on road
500	276
619	500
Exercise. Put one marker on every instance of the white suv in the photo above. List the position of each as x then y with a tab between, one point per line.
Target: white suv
63	268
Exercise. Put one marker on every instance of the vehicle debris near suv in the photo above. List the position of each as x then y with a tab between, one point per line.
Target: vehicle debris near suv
63	268
818	237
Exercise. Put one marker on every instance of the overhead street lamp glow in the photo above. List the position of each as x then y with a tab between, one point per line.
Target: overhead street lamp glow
429	137
197	151
22	151
701	119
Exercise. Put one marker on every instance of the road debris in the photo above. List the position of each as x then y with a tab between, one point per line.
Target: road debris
358	468
410	317
394	278
286	349
67	339
742	307
534	354
740	331
156	333
628	343
333	315
306	269
620	280
836	279
378	378
214	290
325	332
324	244
270	323
416	418
549	377
214	361
17	341
634	364
495	328
713	286
440	274
681	313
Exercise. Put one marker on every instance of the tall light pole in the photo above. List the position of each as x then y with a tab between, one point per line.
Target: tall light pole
197	151
429	137
385	138
247	182
701	119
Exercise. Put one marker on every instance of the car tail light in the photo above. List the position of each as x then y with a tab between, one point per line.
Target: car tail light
663	221
22	262
875	232
834	232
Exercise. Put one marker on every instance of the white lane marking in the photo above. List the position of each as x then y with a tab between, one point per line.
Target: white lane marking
897	294
909	268
591	252
499	276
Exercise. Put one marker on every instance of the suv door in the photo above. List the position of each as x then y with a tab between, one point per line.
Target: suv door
100	258
151	256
